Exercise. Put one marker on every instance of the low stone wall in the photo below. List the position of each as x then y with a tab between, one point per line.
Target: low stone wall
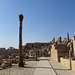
73	65
66	63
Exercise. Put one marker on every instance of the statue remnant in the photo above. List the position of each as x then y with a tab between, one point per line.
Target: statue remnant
58	41
53	40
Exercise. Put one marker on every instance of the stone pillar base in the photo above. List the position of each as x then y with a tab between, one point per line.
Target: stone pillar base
21	64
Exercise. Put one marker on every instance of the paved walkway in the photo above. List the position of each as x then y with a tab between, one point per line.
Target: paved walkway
44	68
51	67
60	69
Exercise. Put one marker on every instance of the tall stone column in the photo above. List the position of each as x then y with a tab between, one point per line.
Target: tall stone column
20	42
67	37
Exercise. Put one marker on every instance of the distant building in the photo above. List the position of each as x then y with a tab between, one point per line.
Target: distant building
3	51
40	47
35	45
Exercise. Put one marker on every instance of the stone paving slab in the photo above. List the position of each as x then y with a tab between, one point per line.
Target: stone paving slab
60	69
44	68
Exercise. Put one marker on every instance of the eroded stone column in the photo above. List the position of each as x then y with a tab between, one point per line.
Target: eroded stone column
21	64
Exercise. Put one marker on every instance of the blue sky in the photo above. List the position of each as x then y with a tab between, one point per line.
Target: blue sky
43	20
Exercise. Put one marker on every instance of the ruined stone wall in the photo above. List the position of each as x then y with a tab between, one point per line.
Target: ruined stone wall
73	41
54	53
61	47
58	51
66	63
